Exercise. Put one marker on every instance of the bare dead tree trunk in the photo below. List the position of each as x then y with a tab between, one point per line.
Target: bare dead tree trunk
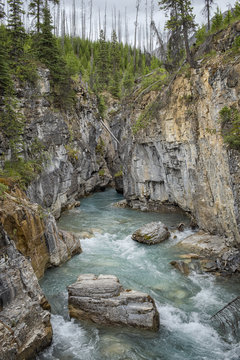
63	28
146	20
126	27
105	20
119	27
73	31
90	20
135	34
151	30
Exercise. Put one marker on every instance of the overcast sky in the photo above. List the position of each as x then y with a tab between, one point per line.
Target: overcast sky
130	6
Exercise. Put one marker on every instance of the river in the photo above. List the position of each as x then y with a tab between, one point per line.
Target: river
185	303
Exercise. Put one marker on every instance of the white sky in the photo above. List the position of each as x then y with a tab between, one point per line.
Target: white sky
130	6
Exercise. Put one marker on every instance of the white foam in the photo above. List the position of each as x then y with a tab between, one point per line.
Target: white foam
70	339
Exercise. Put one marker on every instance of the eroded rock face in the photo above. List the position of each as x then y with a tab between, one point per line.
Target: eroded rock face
102	299
152	233
179	157
75	146
35	232
25	327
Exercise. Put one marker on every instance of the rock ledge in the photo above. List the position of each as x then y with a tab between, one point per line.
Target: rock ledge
102	300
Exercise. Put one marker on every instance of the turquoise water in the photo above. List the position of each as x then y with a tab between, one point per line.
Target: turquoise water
185	304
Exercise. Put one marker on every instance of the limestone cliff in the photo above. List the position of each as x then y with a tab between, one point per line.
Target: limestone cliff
73	143
178	157
25	327
35	232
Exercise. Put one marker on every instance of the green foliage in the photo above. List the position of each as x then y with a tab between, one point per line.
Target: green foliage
118	174
101	105
236	44
101	172
201	35
48	52
21	171
236	10
11	123
145	117
5	78
72	153
3	189
100	148
228	18
230	120
217	20
16	29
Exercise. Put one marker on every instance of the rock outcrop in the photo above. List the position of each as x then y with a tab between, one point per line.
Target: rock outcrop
25	327
103	300
75	146
152	233
178	155
35	232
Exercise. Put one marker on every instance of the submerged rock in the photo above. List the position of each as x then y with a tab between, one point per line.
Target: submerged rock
182	266
102	300
152	233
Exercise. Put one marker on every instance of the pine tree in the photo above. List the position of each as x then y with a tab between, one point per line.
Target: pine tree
48	53
182	18
217	20
2	12
5	79
16	28
115	65
36	10
102	62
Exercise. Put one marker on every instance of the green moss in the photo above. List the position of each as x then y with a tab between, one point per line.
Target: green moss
118	174
72	153
101	172
100	148
230	121
3	189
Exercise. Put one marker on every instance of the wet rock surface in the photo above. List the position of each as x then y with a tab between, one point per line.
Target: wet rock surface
35	232
25	327
152	233
102	299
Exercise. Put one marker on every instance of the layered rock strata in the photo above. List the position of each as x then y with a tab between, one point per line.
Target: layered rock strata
102	300
25	327
178	156
35	232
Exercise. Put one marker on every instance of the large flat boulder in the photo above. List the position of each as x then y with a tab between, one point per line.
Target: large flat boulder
152	233
103	300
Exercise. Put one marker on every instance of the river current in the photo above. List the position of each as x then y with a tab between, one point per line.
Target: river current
185	304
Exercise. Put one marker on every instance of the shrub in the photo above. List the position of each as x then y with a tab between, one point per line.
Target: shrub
230	120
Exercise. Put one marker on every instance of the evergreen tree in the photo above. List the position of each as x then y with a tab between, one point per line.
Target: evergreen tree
182	17
228	17
5	79
236	10
2	12
115	65
16	28
102	62
207	10
49	54
36	10
217	20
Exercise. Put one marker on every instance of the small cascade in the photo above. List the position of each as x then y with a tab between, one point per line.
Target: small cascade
228	319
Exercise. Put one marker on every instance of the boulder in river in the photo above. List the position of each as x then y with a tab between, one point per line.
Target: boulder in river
103	300
152	233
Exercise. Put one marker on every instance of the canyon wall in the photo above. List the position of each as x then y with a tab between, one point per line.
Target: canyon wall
25	327
178	155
